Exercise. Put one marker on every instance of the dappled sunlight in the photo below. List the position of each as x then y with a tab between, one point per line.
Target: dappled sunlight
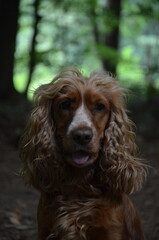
64	38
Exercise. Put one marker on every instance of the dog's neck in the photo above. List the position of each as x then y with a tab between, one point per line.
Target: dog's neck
79	182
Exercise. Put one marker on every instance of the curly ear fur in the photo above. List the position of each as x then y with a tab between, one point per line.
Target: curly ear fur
123	171
37	143
37	146
38	150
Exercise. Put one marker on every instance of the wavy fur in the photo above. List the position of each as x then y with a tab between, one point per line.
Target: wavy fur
118	170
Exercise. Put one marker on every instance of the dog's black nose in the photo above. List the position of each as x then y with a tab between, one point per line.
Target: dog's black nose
82	136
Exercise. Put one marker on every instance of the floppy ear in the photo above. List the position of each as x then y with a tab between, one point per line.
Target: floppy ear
37	144
123	171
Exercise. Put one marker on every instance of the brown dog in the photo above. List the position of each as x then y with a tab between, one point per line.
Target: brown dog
78	150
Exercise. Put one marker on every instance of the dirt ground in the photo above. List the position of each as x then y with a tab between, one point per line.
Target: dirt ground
18	203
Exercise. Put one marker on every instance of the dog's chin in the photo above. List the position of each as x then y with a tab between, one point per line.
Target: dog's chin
81	158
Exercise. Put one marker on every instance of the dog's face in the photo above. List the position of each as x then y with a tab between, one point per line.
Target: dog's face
80	117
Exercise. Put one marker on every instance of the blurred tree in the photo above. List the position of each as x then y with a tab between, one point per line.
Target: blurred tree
32	58
113	9
106	37
8	27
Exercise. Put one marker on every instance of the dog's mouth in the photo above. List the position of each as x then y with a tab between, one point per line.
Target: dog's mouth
80	157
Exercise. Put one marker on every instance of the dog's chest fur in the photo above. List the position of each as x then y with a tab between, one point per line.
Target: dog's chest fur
89	218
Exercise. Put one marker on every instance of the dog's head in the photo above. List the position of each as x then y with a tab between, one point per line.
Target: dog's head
75	120
80	113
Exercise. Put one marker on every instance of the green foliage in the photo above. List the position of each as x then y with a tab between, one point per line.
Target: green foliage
107	53
129	70
23	45
72	33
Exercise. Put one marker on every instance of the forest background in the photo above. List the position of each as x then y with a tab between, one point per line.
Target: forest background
38	38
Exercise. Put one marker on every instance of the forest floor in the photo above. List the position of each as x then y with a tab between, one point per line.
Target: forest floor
18	203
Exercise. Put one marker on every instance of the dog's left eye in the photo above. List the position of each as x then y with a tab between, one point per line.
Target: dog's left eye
65	105
99	107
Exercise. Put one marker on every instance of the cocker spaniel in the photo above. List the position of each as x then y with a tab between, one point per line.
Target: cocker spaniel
79	151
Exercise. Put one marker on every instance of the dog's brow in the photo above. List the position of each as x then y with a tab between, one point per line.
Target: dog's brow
81	117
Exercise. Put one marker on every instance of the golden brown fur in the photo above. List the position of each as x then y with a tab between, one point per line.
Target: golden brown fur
88	200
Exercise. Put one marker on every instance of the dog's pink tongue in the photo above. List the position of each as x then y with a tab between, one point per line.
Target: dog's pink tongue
80	159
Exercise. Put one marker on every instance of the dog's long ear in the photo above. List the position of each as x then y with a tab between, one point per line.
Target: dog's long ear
37	144
124	172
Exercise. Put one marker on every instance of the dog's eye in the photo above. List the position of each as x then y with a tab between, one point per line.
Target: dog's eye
99	107
65	105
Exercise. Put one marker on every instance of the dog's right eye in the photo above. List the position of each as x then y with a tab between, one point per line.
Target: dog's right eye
65	105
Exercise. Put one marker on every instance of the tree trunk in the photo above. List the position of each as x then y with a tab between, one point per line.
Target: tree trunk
112	38
9	10
32	60
107	45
